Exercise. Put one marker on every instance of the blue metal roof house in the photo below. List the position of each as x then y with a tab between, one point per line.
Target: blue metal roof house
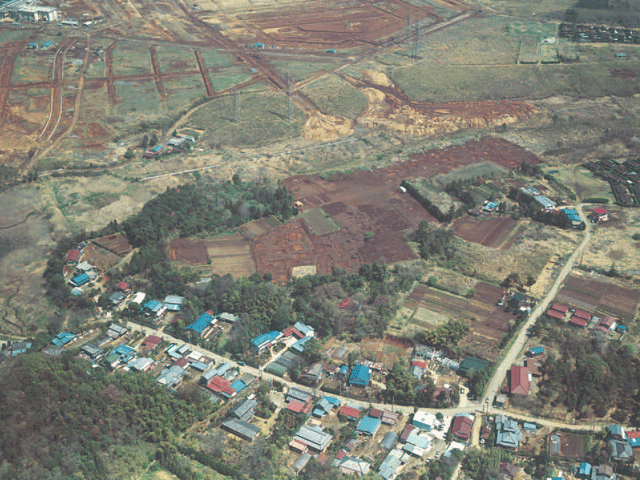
368	426
535	351
299	345
79	280
125	353
583	470
18	348
508	433
265	340
62	339
202	322
157	148
360	376
573	215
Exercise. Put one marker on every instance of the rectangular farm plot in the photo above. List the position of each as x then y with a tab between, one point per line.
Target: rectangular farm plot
183	90
600	297
490	231
320	222
227	78
131	59
176	60
137	96
215	59
489	323
33	66
230	254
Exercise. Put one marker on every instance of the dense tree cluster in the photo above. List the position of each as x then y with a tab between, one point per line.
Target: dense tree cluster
434	242
484	464
206	207
59	416
594	374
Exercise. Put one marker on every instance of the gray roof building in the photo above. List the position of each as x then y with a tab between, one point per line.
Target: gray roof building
170	377
314	437
245	410
241	429
389	441
301	462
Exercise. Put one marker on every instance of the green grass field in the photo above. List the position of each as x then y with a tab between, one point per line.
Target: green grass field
183	91
262	120
428	83
334	96
583	182
32	67
140	96
227	78
131	59
215	59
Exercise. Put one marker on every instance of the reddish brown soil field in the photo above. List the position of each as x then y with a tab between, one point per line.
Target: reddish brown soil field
118	244
616	72
188	251
100	257
501	152
489	322
489	231
97	130
342	26
600	297
368	205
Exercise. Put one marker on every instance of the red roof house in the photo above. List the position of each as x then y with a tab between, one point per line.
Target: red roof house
350	412
520	381
183	362
578	322
605	324
582	314
599	214
217	384
123	287
560	308
152	341
295	406
407	431
462	426
73	256
555	314
376	413
419	363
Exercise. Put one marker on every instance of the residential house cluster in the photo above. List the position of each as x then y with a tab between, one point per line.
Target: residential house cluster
586	471
621	446
621	177
581	319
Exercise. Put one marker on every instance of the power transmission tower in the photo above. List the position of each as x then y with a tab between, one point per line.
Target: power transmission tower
408	29
236	104
288	97
414	51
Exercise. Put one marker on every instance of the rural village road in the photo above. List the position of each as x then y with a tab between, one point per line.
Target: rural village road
472	407
518	344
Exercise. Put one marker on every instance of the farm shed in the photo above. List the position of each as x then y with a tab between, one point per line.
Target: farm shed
314	437
244	430
389	441
535	351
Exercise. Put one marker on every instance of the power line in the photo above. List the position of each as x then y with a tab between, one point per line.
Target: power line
288	97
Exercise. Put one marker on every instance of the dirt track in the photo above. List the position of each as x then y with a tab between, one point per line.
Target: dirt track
205	75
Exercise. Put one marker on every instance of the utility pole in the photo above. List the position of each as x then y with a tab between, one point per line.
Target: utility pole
414	52
408	29
288	97
236	104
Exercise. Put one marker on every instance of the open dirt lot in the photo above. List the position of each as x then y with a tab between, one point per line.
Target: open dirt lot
599	295
490	231
324	25
489	323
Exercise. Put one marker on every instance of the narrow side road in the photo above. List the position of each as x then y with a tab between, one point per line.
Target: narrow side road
518	344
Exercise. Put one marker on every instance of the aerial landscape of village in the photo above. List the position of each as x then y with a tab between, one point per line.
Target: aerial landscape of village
326	239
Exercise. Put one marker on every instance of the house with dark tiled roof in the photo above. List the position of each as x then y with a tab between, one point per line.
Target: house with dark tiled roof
606	324
508	471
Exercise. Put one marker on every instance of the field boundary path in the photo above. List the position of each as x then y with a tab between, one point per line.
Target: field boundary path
518	344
